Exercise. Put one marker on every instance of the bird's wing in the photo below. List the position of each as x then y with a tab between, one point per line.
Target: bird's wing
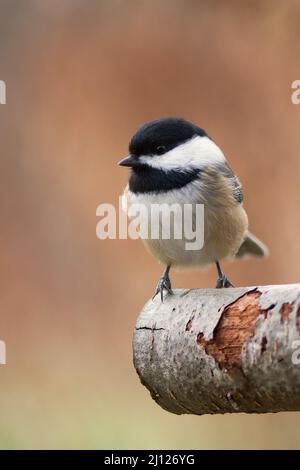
235	182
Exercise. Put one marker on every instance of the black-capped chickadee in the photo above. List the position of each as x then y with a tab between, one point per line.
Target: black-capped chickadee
175	161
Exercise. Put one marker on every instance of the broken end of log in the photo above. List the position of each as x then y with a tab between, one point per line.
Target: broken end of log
222	350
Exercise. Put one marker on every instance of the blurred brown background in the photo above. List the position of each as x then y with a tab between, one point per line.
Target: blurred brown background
81	76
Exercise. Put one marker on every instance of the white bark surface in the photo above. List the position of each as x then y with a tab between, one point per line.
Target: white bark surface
221	350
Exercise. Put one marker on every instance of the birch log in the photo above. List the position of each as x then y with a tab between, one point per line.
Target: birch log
221	350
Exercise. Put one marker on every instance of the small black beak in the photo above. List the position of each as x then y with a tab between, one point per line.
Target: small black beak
128	161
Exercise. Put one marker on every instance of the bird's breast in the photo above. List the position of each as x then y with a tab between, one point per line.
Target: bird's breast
224	220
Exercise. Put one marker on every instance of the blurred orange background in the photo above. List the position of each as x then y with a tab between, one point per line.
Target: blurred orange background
81	77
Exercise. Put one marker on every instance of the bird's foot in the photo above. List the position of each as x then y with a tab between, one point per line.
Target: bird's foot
223	281
163	284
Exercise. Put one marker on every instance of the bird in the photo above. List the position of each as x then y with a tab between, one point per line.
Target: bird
173	161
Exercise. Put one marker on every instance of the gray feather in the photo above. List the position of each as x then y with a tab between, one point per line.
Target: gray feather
236	185
252	246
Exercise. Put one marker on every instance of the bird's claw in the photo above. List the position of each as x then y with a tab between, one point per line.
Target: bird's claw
163	283
222	282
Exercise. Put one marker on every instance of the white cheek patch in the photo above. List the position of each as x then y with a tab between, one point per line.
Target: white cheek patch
196	153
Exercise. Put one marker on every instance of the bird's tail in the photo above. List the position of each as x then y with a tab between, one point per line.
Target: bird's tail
252	246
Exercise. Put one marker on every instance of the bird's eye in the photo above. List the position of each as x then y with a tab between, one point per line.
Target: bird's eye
160	149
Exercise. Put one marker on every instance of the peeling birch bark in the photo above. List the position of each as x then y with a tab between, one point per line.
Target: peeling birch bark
222	350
